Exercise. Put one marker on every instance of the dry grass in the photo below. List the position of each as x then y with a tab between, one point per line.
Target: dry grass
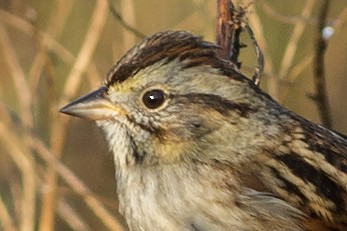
56	174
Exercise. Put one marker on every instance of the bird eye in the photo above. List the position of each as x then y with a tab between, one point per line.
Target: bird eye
154	98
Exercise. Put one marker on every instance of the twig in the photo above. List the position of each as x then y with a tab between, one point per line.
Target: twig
230	24
292	45
88	47
59	122
268	9
22	160
228	29
120	19
5	218
76	184
12	144
127	9
64	209
225	31
260	58
65	55
294	73
341	19
273	81
321	97
55	26
71	217
18	76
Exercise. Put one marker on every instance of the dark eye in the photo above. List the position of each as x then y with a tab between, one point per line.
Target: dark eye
154	98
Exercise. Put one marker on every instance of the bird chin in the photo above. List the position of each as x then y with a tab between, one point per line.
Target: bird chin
118	139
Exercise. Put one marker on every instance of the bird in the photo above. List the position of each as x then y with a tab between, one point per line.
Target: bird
198	146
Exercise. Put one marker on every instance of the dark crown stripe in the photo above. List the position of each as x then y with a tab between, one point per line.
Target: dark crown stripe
168	46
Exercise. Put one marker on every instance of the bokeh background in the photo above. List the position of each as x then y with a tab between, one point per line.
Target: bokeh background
55	171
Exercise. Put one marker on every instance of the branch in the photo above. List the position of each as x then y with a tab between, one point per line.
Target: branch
117	15
230	23
259	68
321	97
228	31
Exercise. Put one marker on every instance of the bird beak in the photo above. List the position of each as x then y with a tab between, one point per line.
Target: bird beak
94	106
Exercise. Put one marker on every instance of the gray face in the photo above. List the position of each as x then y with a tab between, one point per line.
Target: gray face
168	91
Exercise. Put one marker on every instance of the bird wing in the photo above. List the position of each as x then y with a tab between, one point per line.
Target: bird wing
308	170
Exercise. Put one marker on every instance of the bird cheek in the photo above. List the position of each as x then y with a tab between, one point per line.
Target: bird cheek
170	147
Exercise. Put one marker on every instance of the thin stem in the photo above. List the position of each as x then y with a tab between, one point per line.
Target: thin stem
225	31
53	45
18	76
5	218
321	97
129	38
120	19
271	12
59	122
292	45
25	162
22	158
56	25
273	82
75	183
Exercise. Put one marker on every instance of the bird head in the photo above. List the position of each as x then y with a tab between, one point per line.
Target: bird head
169	98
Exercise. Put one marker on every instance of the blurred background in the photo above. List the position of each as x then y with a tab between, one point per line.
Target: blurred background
55	171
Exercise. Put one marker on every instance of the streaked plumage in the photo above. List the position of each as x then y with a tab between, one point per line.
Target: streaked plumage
217	153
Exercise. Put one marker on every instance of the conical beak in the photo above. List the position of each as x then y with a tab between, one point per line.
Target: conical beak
94	106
